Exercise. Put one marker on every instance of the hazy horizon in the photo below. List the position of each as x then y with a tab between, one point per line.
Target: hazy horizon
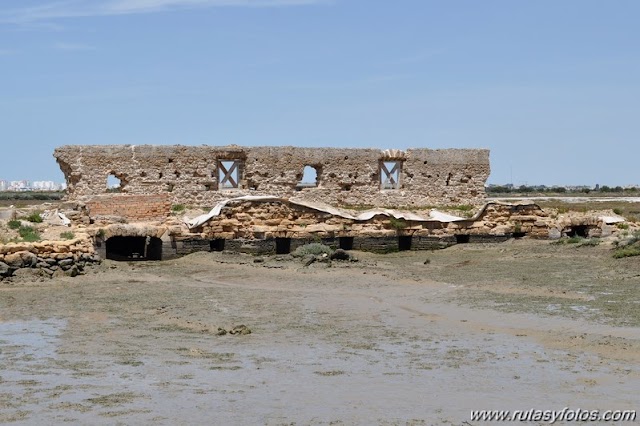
551	88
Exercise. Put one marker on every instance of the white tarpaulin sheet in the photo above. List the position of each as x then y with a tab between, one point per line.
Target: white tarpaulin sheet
610	220
434	215
54	217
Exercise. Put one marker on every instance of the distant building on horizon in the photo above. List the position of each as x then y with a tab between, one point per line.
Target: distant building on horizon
19	185
46	185
25	185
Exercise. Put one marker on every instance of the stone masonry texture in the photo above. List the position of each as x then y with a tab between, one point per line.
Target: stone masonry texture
346	176
143	208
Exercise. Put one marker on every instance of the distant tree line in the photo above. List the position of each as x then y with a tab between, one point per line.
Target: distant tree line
32	195
526	189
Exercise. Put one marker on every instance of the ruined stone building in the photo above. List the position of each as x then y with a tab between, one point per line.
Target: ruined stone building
128	203
283	197
204	175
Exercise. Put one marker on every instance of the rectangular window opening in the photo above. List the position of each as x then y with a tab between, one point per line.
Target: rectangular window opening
390	174
228	174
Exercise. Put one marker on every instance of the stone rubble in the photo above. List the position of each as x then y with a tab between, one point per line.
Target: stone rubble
49	258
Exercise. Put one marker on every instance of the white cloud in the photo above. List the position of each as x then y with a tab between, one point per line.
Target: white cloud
51	10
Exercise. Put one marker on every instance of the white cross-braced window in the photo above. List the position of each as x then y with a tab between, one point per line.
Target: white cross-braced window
228	174
390	174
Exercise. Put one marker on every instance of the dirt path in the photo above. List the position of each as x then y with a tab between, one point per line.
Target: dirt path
387	340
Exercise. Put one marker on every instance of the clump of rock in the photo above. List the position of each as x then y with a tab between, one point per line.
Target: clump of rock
312	253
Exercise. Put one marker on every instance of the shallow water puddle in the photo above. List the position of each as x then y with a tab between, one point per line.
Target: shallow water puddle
36	339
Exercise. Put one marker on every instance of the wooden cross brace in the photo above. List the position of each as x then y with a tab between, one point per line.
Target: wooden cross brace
389	175
227	175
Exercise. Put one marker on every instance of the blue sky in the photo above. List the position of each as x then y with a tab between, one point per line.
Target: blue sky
551	87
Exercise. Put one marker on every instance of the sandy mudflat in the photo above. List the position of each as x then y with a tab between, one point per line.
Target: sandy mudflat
387	340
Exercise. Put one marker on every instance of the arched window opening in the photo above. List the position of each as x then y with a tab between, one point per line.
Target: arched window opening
114	183
309	178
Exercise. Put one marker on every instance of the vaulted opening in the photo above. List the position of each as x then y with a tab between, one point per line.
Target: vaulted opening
217	244
134	248
283	245
345	243
462	238
404	242
578	231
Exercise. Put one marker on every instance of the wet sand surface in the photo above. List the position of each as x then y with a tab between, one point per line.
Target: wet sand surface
391	339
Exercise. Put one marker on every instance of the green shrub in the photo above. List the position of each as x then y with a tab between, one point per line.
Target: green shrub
33	217
617	211
589	242
312	248
14	224
622	225
177	208
569	240
465	210
626	239
28	196
29	234
626	252
397	223
575	240
67	235
627	245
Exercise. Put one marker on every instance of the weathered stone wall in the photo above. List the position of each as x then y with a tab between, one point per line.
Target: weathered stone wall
48	258
500	219
268	220
155	207
345	176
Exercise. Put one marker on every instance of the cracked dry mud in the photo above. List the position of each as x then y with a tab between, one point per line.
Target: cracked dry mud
387	340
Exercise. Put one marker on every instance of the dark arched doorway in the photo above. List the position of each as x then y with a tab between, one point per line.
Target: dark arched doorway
134	248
